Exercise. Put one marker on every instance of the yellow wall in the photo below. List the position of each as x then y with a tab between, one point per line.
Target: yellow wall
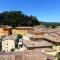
52	53
57	48
1	31
20	31
4	31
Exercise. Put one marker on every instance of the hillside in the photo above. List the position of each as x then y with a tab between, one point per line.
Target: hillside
18	18
49	24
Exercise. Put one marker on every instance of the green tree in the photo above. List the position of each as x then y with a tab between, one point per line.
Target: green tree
58	56
18	37
17	18
12	50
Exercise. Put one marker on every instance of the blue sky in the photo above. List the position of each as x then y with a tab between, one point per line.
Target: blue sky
45	10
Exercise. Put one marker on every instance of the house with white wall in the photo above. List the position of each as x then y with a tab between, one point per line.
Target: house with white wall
8	43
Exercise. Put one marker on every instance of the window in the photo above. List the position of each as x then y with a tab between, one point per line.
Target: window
6	44
7	50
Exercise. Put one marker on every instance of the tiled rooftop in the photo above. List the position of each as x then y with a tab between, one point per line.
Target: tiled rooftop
24	27
11	37
31	43
26	55
5	26
53	37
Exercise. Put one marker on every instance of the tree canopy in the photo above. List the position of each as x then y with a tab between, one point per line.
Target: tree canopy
17	18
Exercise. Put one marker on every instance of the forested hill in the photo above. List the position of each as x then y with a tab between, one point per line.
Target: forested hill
17	18
50	24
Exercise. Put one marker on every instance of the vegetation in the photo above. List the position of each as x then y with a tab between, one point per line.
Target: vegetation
18	37
58	56
17	18
50	24
12	50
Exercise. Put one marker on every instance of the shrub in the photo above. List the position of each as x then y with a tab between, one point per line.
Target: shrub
12	50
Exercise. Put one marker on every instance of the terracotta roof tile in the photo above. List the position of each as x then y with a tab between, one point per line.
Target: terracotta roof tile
42	43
